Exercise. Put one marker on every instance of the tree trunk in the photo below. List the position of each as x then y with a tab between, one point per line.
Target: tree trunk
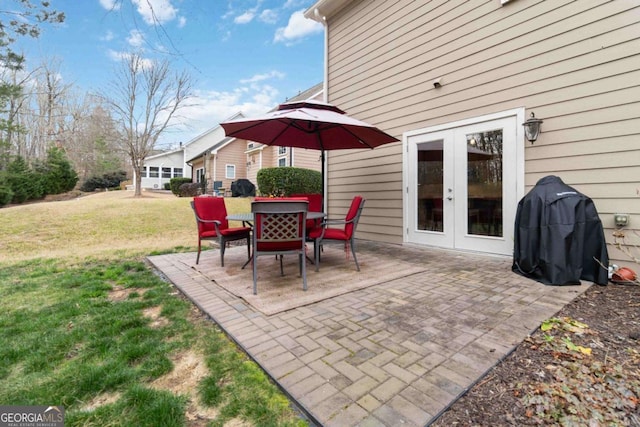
138	181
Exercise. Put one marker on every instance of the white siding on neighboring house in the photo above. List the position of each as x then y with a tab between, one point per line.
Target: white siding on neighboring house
159	169
205	140
576	64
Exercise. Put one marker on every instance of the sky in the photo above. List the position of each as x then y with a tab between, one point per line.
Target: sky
242	55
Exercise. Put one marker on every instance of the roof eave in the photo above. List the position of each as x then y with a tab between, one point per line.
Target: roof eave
326	9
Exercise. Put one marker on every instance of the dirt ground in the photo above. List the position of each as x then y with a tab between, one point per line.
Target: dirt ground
582	370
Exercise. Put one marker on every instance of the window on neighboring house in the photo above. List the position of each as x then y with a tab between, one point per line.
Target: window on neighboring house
250	145
282	161
177	172
282	150
230	171
143	172
154	171
200	175
166	172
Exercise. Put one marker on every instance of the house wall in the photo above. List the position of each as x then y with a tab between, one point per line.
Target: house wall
171	160
203	142
231	154
267	157
195	165
308	159
269	160
575	64
254	163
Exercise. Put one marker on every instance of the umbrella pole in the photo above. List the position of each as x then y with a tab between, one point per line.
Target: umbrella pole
322	166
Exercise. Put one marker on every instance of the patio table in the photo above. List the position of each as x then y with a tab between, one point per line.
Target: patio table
247	220
247	217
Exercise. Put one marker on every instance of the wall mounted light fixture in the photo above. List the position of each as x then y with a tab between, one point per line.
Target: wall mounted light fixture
532	128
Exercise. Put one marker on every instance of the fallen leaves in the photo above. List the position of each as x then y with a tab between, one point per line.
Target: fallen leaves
578	390
601	389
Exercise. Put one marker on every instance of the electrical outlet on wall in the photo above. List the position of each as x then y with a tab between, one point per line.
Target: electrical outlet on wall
621	220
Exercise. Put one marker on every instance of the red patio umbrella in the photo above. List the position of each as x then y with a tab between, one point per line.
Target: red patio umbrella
308	124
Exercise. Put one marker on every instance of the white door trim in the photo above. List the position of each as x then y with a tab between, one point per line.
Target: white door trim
518	185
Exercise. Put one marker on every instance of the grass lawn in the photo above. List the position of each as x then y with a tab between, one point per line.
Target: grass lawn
84	323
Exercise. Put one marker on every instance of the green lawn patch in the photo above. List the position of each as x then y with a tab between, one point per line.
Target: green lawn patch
96	336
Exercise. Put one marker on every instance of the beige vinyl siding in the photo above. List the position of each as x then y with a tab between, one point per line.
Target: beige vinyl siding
197	164
231	154
576	64
308	159
255	158
269	157
275	156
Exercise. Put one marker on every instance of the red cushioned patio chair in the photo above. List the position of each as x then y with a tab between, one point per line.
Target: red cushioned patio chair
211	218
279	229
346	233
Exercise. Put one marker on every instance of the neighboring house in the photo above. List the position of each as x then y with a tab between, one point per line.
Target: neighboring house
160	168
454	79
215	158
189	161
224	160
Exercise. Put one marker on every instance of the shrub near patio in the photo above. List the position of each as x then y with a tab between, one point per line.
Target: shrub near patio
107	338
283	181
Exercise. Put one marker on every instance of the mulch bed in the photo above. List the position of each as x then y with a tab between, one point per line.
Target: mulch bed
583	369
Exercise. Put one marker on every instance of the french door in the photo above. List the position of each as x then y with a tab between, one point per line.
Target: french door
462	185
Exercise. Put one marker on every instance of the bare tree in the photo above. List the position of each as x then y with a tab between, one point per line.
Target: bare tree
18	18
89	138
47	114
144	97
34	112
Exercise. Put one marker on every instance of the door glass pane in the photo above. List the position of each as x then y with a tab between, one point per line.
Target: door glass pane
430	179
484	183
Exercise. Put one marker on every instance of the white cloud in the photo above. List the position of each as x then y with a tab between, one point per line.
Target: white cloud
110	4
182	21
297	28
122	56
268	16
115	55
245	18
262	77
289	4
136	38
156	11
108	36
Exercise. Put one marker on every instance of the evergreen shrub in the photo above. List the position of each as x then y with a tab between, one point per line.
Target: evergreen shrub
25	183
284	181
110	180
5	194
58	174
175	183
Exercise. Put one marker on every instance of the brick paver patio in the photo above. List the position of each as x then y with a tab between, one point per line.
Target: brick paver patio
392	354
